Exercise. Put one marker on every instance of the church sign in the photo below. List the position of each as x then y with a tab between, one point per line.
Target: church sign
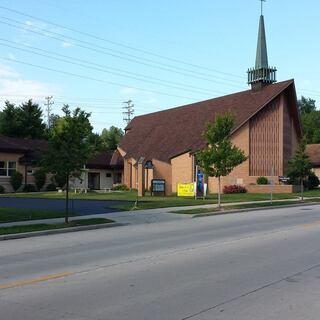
186	189
158	186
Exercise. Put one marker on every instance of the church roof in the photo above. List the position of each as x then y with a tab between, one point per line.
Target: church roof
313	151
165	134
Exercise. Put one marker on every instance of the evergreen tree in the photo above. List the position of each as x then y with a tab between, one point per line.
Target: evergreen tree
111	137
220	157
300	166
9	121
30	121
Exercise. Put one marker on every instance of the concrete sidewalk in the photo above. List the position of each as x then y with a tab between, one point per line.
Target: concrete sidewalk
140	216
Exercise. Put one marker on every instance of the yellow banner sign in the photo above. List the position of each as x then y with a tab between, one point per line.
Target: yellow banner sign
186	190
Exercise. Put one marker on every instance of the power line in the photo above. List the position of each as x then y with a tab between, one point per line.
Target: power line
102	68
103	50
118	43
93	79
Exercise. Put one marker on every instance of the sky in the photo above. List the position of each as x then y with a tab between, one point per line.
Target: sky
160	54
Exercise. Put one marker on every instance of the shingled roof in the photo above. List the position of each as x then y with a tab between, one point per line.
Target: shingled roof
165	134
313	151
9	144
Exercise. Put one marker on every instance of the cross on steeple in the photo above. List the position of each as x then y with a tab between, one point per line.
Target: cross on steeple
262	1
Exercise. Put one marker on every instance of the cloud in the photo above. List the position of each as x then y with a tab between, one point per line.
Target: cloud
128	90
15	88
150	100
67	44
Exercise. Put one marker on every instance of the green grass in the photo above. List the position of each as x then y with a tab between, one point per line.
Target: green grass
149	202
240	206
15	214
41	227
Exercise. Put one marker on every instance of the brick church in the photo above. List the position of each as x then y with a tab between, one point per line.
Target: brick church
267	128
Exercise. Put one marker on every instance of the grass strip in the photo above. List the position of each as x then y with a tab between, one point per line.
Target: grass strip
241	206
17	214
41	227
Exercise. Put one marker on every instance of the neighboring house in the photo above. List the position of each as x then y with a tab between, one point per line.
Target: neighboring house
21	155
267	128
100	173
313	151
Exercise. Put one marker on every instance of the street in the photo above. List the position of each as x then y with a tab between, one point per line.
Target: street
255	265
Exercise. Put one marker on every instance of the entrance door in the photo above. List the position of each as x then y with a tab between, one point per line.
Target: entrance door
94	180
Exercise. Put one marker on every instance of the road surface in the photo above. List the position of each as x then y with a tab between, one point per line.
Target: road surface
255	265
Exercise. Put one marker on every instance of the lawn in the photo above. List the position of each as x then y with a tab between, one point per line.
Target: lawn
13	214
149	202
41	227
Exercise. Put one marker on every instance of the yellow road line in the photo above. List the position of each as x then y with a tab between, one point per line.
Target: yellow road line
312	224
34	280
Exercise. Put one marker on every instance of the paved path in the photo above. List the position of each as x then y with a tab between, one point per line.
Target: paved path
256	266
81	207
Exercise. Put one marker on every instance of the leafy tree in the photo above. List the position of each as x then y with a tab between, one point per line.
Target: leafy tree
69	147
9	121
311	126
220	156
300	166
111	137
306	105
31	122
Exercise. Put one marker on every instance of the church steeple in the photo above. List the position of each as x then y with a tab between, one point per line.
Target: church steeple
261	74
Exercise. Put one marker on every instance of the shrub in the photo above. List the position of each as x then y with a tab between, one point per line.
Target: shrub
120	187
262	180
313	181
40	178
29	188
60	180
2	190
16	180
51	187
234	189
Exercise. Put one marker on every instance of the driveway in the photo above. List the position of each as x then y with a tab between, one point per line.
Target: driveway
81	207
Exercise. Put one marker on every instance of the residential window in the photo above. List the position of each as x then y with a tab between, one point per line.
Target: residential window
7	168
30	172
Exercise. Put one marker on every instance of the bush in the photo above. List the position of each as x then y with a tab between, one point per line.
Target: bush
262	180
2	190
51	187
313	181
120	187
234	189
40	178
29	188
16	180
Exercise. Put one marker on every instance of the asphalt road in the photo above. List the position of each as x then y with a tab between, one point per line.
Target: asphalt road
81	207
255	265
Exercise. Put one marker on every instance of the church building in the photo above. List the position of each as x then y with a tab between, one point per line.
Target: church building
163	145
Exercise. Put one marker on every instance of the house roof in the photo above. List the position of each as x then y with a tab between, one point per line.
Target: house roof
17	145
165	134
105	160
313	151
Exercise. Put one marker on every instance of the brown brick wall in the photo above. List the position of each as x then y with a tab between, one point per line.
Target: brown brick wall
162	170
182	170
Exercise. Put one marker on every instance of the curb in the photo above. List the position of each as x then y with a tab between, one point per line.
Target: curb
60	231
217	213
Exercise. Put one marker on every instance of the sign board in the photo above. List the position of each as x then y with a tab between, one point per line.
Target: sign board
186	189
284	179
158	186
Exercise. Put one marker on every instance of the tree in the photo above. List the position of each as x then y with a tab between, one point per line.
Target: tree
69	147
9	121
40	178
220	156
311	126
31	122
300	166
306	105
16	180
111	137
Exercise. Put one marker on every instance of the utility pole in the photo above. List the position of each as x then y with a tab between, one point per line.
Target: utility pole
48	104
128	113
